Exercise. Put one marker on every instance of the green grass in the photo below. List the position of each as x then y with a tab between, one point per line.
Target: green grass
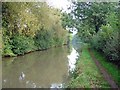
87	74
110	67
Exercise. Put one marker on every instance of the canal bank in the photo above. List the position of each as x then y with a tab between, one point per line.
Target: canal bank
86	74
93	71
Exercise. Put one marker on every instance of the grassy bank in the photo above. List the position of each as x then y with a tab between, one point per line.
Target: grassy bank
110	67
87	74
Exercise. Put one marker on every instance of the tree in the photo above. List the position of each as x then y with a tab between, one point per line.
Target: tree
26	24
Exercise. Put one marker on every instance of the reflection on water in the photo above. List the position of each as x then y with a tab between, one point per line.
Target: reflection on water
22	76
55	85
40	69
72	59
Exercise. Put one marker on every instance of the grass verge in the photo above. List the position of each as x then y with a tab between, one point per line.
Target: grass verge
110	67
86	74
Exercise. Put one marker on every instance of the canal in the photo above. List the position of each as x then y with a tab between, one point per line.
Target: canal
40	69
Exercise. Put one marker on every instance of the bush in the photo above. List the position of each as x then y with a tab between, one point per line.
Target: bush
7	47
111	48
58	41
99	40
22	44
107	41
7	50
43	39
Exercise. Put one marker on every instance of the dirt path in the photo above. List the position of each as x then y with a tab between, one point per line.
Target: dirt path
106	76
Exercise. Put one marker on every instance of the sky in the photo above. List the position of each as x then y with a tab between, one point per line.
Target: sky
60	4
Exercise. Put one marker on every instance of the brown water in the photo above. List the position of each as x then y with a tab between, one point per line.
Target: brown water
40	69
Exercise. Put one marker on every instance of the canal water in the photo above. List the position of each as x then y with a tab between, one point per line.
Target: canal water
40	69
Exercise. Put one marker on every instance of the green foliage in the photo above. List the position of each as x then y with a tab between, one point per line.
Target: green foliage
22	44
111	48
92	14
31	26
67	20
98	24
7	50
107	41
86	33
113	20
101	37
43	39
7	47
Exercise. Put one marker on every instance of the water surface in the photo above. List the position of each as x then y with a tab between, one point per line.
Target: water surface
40	69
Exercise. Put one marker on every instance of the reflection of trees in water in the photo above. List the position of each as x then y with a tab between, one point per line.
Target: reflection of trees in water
77	43
69	46
8	60
74	47
36	66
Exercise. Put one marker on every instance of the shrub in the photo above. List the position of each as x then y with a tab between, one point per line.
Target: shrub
111	48
99	40
22	44
7	47
107	41
57	41
43	39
